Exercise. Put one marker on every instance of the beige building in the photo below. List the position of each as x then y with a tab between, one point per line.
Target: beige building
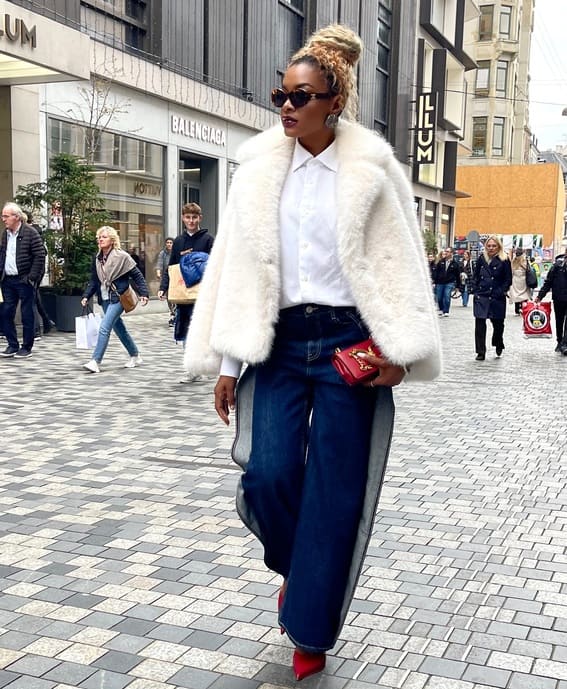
514	201
497	130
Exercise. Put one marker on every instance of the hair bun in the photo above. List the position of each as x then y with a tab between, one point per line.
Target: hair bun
340	39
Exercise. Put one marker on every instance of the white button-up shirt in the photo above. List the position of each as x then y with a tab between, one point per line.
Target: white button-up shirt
309	262
310	268
10	266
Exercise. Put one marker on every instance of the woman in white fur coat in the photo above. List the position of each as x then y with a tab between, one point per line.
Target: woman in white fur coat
318	249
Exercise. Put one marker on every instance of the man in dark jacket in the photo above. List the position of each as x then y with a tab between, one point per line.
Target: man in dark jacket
446	276
192	239
22	263
556	281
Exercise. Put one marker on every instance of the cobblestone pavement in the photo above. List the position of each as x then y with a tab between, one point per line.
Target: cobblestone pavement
123	562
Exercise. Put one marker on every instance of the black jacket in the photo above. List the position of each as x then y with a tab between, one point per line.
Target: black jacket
556	280
490	283
200	241
452	274
30	254
122	283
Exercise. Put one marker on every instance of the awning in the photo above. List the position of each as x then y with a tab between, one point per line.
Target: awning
34	49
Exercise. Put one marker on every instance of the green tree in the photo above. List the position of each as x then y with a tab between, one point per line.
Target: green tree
430	241
70	250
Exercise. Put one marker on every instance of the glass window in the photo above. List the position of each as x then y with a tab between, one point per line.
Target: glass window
505	23
498	136
482	78
429	220
384	40
130	175
445	230
297	4
479	136
485	23
501	78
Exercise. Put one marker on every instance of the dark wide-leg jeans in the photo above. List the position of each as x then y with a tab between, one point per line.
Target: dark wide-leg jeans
306	476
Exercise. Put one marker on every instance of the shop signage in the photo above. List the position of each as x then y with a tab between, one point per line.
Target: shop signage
146	189
197	130
14	30
425	131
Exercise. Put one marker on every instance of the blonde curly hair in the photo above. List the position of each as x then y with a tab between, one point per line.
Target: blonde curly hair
335	50
112	235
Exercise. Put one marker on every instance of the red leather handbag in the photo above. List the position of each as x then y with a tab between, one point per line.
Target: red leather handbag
352	368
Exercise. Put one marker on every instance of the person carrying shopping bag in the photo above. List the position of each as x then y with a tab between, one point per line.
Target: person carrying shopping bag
112	271
318	249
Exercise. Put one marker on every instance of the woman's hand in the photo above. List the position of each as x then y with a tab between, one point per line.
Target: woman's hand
84	302
224	397
389	375
144	300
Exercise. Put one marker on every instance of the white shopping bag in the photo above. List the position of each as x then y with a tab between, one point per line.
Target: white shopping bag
86	330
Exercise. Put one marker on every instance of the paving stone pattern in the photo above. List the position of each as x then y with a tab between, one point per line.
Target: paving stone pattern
124	565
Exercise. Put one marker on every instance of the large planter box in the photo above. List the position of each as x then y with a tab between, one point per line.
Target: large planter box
62	309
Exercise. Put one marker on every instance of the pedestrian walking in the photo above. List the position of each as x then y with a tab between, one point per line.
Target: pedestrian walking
491	281
556	281
446	277
318	249
22	263
193	238
161	269
519	292
40	314
466	269
112	271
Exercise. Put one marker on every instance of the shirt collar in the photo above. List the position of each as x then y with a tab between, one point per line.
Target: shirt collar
328	157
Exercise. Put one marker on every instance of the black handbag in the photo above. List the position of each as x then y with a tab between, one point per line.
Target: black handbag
531	277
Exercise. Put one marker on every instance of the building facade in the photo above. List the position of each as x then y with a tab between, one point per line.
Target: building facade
497	130
439	112
158	95
523	204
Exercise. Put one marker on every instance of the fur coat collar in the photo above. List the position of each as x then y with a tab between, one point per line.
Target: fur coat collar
379	246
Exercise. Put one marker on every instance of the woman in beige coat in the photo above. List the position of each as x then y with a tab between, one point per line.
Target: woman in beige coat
519	292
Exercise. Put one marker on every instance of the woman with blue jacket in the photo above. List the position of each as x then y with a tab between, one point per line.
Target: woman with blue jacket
112	271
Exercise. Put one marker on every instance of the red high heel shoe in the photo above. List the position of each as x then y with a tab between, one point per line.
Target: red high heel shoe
307	664
281	596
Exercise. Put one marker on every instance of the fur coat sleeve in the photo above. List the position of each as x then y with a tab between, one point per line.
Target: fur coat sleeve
379	245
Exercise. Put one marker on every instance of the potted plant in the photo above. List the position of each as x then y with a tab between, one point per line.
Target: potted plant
70	247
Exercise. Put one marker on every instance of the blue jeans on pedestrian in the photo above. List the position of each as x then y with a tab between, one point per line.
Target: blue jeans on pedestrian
112	321
443	294
15	290
306	476
465	295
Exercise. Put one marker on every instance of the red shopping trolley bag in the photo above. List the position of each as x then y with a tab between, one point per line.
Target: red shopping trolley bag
537	319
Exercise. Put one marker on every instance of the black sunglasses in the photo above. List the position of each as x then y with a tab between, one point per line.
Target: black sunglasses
297	98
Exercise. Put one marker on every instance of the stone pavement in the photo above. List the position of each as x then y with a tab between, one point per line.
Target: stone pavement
123	562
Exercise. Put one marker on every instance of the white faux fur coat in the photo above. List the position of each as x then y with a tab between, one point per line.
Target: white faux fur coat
380	250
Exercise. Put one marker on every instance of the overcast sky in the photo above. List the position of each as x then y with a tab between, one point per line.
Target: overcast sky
548	71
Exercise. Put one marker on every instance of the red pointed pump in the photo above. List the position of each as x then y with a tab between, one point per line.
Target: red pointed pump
306	664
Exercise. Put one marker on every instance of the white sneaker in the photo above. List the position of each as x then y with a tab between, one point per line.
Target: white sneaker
133	361
92	366
190	379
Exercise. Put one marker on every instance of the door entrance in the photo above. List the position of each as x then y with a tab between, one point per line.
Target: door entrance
198	183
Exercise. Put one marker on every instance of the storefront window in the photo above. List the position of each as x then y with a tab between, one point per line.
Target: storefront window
130	175
430	216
